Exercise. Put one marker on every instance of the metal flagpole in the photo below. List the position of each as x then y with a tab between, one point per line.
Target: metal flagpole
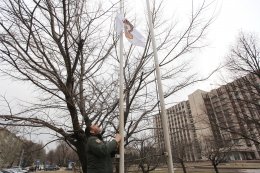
121	99
161	96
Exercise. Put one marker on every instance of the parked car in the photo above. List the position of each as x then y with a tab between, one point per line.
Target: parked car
31	168
41	167
11	171
57	167
19	169
51	167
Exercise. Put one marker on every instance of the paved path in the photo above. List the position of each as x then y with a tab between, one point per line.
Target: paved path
230	170
249	170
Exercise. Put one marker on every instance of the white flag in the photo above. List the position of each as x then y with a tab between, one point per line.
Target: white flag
132	35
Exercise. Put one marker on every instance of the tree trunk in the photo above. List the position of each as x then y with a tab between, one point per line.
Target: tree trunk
82	154
215	167
142	167
183	166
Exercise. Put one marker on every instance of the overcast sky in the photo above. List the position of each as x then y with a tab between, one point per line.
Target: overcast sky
232	16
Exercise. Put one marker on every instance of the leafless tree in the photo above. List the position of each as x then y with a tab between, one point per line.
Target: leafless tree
216	151
145	153
63	153
244	57
140	83
243	62
31	152
54	46
180	154
10	148
50	158
66	50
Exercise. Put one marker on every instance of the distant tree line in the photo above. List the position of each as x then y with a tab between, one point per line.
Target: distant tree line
62	155
16	151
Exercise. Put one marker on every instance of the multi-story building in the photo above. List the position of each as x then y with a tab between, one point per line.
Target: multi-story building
228	115
182	132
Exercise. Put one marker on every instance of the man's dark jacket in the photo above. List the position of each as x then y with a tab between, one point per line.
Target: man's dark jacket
99	155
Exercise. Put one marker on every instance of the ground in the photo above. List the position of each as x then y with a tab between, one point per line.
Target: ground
202	167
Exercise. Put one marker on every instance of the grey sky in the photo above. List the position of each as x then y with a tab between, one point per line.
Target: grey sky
231	17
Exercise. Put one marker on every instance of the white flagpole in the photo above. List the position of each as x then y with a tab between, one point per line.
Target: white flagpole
121	99
161	96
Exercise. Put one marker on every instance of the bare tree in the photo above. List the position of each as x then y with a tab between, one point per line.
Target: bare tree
243	60
140	83
54	46
244	64
32	152
50	158
10	148
66	50
63	154
145	153
216	151
180	156
244	57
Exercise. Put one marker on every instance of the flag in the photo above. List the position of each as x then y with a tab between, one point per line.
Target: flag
132	35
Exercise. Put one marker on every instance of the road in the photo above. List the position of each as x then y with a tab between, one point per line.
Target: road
230	170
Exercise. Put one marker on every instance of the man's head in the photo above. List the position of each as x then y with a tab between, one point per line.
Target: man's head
95	129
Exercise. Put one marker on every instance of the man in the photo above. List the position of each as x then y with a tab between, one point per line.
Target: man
98	152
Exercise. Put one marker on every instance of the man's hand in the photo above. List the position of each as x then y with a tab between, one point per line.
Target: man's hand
118	137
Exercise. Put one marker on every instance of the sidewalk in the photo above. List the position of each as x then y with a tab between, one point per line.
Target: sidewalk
230	165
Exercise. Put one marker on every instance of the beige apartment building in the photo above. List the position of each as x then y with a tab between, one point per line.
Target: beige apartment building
228	115
182	131
10	147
